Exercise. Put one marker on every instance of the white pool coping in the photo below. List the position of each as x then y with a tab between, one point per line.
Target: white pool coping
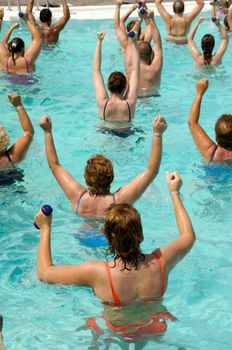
95	12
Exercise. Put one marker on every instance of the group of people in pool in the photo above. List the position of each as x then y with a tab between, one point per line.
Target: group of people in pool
131	276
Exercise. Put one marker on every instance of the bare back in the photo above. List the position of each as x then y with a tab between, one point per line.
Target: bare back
178	26
94	206
117	109
49	34
145	283
22	65
200	61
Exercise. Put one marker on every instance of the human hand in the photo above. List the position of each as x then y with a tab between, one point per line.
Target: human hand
100	35
15	25
200	20
1	12
159	124
43	221
46	123
202	85
134	7
144	5
174	182
150	14
15	99
25	16
119	2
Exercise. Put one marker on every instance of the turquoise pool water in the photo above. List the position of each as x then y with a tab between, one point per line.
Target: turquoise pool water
40	316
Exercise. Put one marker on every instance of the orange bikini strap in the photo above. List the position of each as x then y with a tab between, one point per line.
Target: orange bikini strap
158	257
114	294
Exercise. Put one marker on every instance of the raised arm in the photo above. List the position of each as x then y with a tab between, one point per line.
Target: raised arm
177	249
121	35
99	86
163	12
134	77
64	19
191	43
224	43
158	60
1	17
4	52
203	142
213	12
134	190
33	50
29	11
125	16
195	11
19	149
83	274
70	186
229	17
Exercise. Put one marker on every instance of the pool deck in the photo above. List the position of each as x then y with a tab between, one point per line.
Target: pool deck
88	9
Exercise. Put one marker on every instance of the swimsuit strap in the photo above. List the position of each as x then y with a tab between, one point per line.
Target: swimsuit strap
27	64
158	257
114	294
213	154
129	110
104	109
79	200
7	64
114	200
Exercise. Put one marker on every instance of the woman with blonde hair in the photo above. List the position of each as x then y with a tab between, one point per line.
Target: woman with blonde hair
9	157
178	25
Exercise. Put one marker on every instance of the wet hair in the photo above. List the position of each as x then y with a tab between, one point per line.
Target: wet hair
14	46
45	15
178	6
130	26
226	24
4	140
117	82
99	175
207	45
124	232
223	131
145	51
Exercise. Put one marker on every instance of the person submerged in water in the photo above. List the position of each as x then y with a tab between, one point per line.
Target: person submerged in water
131	276
151	60
178	25
14	57
50	32
95	200
221	150
120	105
9	157
207	45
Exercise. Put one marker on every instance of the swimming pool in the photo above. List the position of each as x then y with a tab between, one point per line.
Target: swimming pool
40	316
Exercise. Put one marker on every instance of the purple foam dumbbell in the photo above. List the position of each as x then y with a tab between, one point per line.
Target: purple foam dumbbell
140	4
142	11
46	210
20	14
